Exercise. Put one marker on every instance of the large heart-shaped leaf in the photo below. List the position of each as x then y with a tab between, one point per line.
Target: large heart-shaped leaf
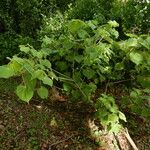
6	72
75	25
24	93
39	74
42	92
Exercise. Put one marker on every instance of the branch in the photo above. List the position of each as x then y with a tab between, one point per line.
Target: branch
58	142
122	81
130	140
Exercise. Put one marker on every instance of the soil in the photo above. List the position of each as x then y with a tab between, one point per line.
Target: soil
55	125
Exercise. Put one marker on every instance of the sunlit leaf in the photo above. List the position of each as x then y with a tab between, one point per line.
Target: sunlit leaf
135	57
24	48
6	72
46	63
24	93
122	116
46	80
113	23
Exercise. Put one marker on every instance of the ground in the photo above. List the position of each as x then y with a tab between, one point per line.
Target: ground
53	125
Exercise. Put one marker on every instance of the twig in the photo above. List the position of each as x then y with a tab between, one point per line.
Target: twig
61	74
106	88
122	81
65	77
58	142
80	89
130	140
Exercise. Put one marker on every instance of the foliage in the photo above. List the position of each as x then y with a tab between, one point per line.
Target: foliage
34	70
138	102
84	55
90	9
108	114
52	26
121	11
132	14
23	22
20	22
9	44
25	17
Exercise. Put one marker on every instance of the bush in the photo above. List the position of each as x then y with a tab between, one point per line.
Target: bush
83	56
9	45
90	9
132	15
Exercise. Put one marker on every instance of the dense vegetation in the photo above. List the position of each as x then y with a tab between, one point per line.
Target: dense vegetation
79	46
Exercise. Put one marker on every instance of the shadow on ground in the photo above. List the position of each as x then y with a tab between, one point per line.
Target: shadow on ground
43	125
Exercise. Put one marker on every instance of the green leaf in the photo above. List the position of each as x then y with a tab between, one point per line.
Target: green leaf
33	52
113	109
28	81
136	58
146	43
145	112
6	72
46	80
134	94
122	116
24	48
67	44
24	93
42	92
78	58
66	87
45	63
113	24
15	66
119	66
114	33
89	73
52	75
115	127
144	80
112	118
18	60
132	42
76	95
75	25
39	74
39	54
83	34
28	67
92	86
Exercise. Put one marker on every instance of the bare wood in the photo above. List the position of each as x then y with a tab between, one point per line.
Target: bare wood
130	140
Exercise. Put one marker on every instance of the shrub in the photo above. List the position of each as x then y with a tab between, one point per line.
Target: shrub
81	57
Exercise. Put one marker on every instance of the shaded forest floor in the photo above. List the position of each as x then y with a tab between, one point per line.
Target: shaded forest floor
53	125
